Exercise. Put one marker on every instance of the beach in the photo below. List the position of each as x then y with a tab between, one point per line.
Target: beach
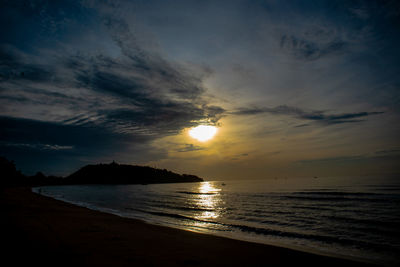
41	230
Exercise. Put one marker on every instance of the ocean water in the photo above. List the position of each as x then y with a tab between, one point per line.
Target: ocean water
355	217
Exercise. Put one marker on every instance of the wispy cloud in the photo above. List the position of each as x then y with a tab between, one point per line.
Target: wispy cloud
137	93
381	154
306	49
190	147
239	156
39	146
313	115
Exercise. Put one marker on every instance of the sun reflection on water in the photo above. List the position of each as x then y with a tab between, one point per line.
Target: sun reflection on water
208	200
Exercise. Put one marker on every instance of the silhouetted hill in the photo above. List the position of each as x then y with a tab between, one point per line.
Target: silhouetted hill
112	173
115	173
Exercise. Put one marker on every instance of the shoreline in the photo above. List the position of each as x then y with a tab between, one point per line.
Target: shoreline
43	230
279	245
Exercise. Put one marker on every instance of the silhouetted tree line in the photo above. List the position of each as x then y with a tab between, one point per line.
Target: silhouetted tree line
10	176
112	173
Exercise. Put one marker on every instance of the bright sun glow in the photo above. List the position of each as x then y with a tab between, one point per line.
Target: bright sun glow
203	132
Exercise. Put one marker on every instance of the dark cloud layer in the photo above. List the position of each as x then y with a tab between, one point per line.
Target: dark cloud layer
150	96
95	103
33	143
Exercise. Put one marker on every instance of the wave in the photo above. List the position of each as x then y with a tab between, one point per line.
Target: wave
375	224
335	193
278	233
351	221
196	193
343	198
174	215
327	196
186	208
313	208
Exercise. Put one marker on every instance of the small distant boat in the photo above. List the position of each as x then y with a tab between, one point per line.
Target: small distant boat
223	184
315	177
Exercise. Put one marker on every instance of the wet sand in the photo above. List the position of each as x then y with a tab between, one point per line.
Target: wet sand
39	230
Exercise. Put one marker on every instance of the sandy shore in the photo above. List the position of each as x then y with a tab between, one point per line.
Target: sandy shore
47	232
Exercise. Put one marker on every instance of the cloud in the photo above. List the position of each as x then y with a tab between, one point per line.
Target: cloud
67	104
60	148
334	159
239	156
83	138
39	146
388	151
382	154
189	148
17	66
138	93
304	49
302	125
313	115
107	77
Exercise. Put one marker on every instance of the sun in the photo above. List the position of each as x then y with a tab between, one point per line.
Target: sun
203	133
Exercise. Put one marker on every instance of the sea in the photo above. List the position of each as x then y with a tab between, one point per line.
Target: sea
350	217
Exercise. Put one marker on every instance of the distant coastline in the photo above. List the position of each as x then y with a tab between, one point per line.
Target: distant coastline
112	173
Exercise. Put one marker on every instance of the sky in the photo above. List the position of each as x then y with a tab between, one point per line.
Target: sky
295	88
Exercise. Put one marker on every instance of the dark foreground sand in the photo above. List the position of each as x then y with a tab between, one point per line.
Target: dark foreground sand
43	231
